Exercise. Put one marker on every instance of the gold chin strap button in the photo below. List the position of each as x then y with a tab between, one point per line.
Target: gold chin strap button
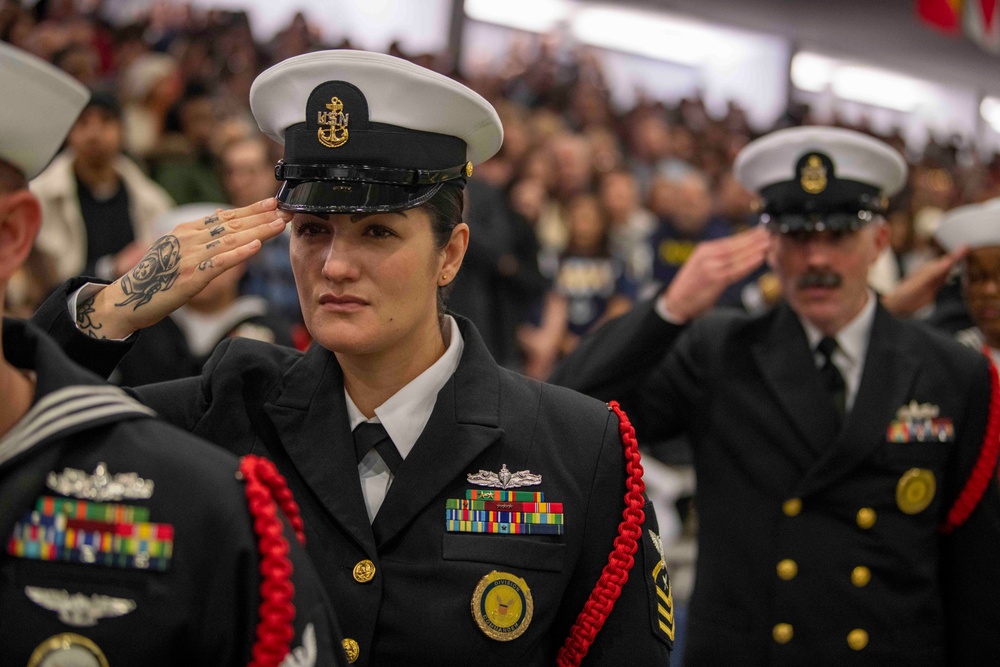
860	576
787	569
866	518
364	571
351	648
857	639
792	506
782	633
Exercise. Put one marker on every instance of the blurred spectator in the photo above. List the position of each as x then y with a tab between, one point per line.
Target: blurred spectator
248	175
97	205
630	223
150	86
183	162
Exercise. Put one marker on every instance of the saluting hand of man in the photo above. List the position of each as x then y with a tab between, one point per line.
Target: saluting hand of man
712	267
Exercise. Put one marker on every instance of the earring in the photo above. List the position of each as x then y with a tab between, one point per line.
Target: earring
444	277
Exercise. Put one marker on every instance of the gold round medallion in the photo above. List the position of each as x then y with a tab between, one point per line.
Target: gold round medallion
915	490
787	569
468	169
502	606
860	576
352	649
67	650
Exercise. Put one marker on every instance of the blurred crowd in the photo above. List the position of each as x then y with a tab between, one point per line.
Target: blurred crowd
585	209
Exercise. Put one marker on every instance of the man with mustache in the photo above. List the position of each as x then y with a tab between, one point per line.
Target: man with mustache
847	503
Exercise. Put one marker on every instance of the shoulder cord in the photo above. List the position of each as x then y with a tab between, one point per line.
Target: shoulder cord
266	490
986	465
620	561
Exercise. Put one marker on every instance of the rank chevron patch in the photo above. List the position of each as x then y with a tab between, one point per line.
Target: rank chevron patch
661	594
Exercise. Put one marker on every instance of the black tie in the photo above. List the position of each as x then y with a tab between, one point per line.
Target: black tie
832	379
367	436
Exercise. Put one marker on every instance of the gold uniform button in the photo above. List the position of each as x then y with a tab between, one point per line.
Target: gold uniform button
860	576
866	518
364	571
787	569
782	633
352	649
857	639
792	506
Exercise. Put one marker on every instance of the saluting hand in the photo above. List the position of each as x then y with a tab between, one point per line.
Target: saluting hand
178	266
711	268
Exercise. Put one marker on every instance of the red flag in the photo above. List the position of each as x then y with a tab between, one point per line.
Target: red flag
944	15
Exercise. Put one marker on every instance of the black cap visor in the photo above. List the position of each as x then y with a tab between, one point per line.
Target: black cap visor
351	196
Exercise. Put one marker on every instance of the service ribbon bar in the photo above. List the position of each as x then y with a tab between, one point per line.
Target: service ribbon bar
92	533
499	494
502	517
456	526
503	506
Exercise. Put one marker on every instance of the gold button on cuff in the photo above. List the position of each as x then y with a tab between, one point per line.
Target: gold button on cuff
782	633
792	506
351	648
866	518
787	569
364	571
860	576
857	639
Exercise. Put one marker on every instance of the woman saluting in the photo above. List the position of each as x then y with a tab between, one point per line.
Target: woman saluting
455	510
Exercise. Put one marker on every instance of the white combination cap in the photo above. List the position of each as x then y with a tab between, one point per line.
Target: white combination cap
973	226
38	107
812	178
369	132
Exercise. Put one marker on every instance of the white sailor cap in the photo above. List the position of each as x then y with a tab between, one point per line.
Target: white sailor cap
39	105
368	132
816	178
972	226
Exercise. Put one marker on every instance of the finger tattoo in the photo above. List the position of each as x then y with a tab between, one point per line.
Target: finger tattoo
212	245
218	230
212	219
207	264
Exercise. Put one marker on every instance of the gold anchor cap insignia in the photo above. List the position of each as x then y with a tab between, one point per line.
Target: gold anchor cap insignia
332	131
813	175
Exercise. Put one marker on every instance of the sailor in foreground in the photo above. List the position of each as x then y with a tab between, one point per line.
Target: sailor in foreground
845	460
457	512
126	541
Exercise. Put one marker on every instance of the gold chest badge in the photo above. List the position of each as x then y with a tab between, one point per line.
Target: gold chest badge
502	606
812	176
332	131
915	490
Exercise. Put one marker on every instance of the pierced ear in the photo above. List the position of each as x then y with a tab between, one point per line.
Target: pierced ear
20	219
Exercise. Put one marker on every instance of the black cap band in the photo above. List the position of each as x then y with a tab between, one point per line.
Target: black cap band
350	172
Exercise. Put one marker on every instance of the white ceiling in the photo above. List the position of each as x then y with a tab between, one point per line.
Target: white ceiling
886	33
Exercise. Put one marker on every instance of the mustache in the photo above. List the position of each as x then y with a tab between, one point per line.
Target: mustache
818	279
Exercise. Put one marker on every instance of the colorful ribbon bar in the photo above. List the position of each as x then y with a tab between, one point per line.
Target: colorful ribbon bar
502	517
502	506
455	526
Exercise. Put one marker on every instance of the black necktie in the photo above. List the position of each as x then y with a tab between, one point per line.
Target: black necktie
832	379
367	436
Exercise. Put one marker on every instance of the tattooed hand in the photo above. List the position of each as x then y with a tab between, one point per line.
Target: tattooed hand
178	266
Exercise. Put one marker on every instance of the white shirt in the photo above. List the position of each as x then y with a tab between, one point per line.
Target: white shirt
404	416
852	347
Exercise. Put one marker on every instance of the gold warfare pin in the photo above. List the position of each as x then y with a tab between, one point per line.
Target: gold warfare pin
332	131
915	490
502	606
